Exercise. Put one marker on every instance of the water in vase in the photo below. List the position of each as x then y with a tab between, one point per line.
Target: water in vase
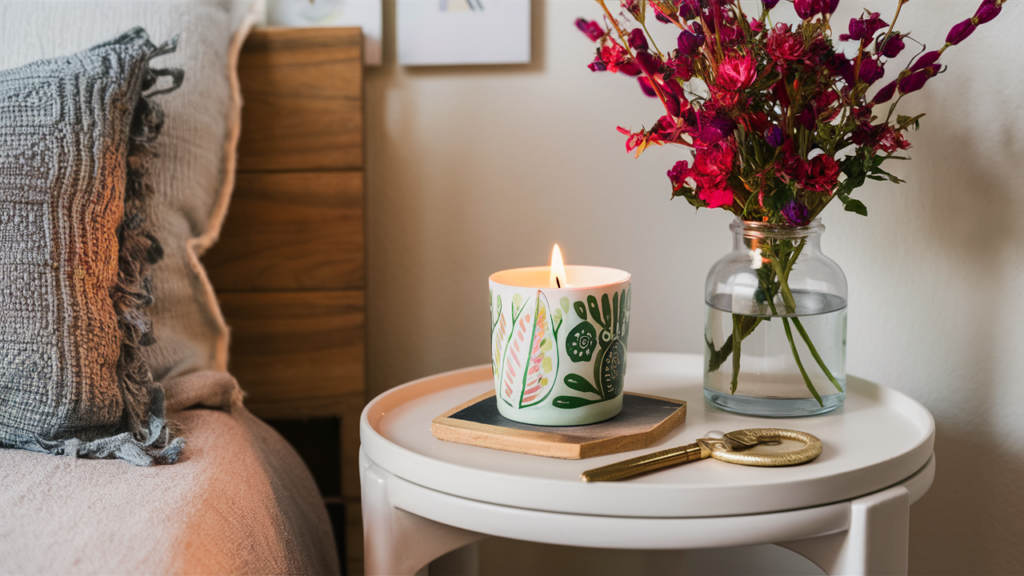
770	382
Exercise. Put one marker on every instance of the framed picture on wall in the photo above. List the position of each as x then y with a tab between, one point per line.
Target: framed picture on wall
366	14
454	32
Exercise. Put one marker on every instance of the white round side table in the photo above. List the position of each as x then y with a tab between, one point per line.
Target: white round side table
847	511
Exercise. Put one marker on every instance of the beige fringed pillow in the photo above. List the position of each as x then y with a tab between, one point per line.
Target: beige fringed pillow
193	171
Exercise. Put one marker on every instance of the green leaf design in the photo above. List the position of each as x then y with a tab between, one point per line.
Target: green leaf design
606	311
580	384
581	342
570	402
595	312
610	369
580	310
564	302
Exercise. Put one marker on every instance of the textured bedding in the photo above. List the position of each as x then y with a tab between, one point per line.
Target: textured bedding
239	501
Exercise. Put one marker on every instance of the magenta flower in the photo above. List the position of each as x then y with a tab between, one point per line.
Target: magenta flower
885	93
988	10
715	129
769	4
592	29
864	28
716	197
870	71
890	46
689	42
679	173
807	9
637	40
915	81
597	65
648	63
737	72
960	32
925	60
646	86
822	174
784	45
796	214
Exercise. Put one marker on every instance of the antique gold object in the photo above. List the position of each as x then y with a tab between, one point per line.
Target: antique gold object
750	447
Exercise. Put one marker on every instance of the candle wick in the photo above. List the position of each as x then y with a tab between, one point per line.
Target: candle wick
557	281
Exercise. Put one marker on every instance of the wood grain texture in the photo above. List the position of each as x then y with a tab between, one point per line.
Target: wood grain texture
297	347
303	90
582	442
292	231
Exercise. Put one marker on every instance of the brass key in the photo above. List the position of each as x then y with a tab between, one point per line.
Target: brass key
750	447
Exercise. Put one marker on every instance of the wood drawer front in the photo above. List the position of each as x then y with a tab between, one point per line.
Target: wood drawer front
292	231
294	347
303	107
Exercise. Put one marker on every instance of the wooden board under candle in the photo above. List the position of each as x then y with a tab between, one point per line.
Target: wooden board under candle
643	421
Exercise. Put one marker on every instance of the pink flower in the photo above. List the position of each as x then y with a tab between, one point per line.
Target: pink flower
864	29
784	45
736	72
716	197
592	29
679	173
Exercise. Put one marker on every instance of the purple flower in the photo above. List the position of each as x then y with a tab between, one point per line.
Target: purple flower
597	65
960	32
774	137
796	214
988	10
890	46
592	29
689	42
769	4
864	28
716	129
925	60
870	71
637	39
885	93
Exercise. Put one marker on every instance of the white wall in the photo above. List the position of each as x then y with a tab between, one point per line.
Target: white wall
476	169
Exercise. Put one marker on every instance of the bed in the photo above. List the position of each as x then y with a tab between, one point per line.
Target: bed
289	275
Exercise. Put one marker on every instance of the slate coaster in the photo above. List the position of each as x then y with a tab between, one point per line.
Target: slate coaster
644	419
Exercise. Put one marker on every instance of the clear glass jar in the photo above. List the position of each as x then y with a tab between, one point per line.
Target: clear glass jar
784	302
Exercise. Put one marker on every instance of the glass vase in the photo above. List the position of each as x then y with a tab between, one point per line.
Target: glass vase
775	329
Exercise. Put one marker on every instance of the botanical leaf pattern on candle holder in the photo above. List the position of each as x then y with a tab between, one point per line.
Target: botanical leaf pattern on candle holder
529	361
612	315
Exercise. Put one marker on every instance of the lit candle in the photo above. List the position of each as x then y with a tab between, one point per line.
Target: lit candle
558	342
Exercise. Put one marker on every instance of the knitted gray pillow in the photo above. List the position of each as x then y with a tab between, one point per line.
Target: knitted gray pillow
75	252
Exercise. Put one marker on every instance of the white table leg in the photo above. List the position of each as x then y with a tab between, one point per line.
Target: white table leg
875	544
396	542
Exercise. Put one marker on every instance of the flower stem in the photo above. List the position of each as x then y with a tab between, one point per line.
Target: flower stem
796	355
790	302
737	338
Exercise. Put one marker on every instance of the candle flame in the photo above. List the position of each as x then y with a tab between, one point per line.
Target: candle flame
558	279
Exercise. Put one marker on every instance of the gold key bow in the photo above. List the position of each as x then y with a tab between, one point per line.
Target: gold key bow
750	447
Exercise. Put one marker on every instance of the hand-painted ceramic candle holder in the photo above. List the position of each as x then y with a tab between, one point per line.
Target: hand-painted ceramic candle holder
559	353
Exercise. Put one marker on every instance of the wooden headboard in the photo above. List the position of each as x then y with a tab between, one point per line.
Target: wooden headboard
289	268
